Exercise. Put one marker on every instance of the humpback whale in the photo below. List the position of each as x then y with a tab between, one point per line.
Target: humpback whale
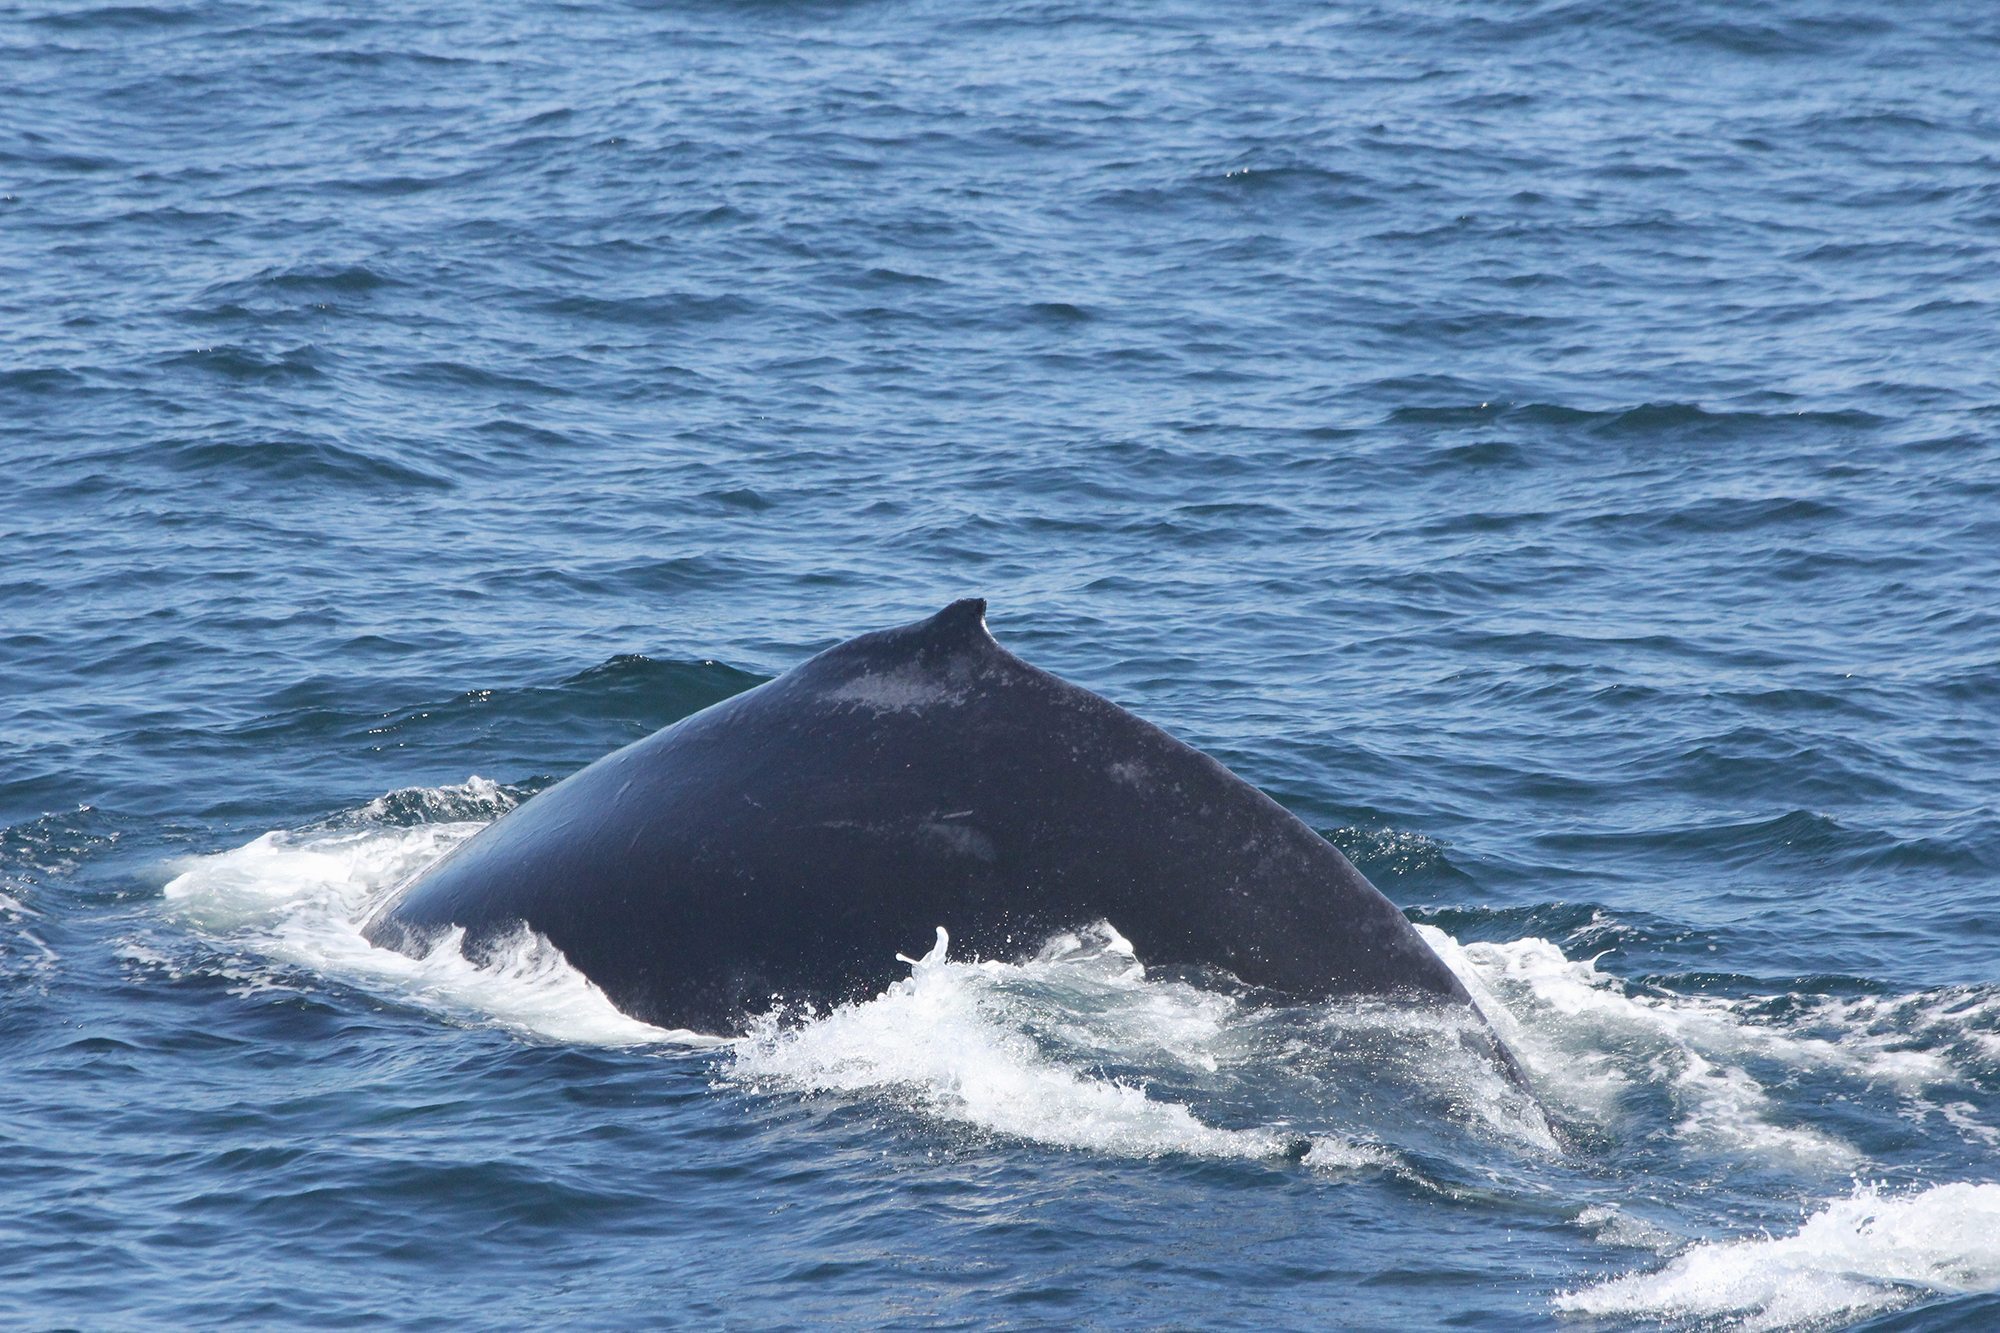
791	841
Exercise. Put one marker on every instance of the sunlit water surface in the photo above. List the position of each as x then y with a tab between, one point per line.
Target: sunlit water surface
1552	447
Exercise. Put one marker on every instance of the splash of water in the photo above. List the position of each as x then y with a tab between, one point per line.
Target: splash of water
1854	1256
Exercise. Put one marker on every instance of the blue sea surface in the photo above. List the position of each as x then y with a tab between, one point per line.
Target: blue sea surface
1553	446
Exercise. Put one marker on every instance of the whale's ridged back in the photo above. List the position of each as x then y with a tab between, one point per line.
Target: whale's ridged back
793	839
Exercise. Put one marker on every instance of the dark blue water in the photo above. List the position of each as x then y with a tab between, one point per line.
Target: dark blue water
1553	447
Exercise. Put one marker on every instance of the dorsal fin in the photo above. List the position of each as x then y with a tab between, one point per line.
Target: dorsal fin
963	618
958	630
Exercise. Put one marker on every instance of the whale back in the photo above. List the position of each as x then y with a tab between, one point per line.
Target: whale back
792	840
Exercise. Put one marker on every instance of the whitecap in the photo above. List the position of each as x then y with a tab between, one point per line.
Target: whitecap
1855	1256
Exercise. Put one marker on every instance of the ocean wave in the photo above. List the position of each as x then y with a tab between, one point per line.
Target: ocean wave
276	458
1871	1251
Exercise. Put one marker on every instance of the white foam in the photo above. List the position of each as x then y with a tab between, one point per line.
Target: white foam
1442	1055
1332	1155
25	954
479	799
1589	1039
25	957
281	874
1963	1021
1614	1226
1964	1117
950	1041
302	898
1855	1256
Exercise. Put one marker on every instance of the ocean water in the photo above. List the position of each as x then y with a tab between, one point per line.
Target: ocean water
1554	447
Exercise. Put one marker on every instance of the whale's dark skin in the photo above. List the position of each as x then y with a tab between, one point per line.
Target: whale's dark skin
792	840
